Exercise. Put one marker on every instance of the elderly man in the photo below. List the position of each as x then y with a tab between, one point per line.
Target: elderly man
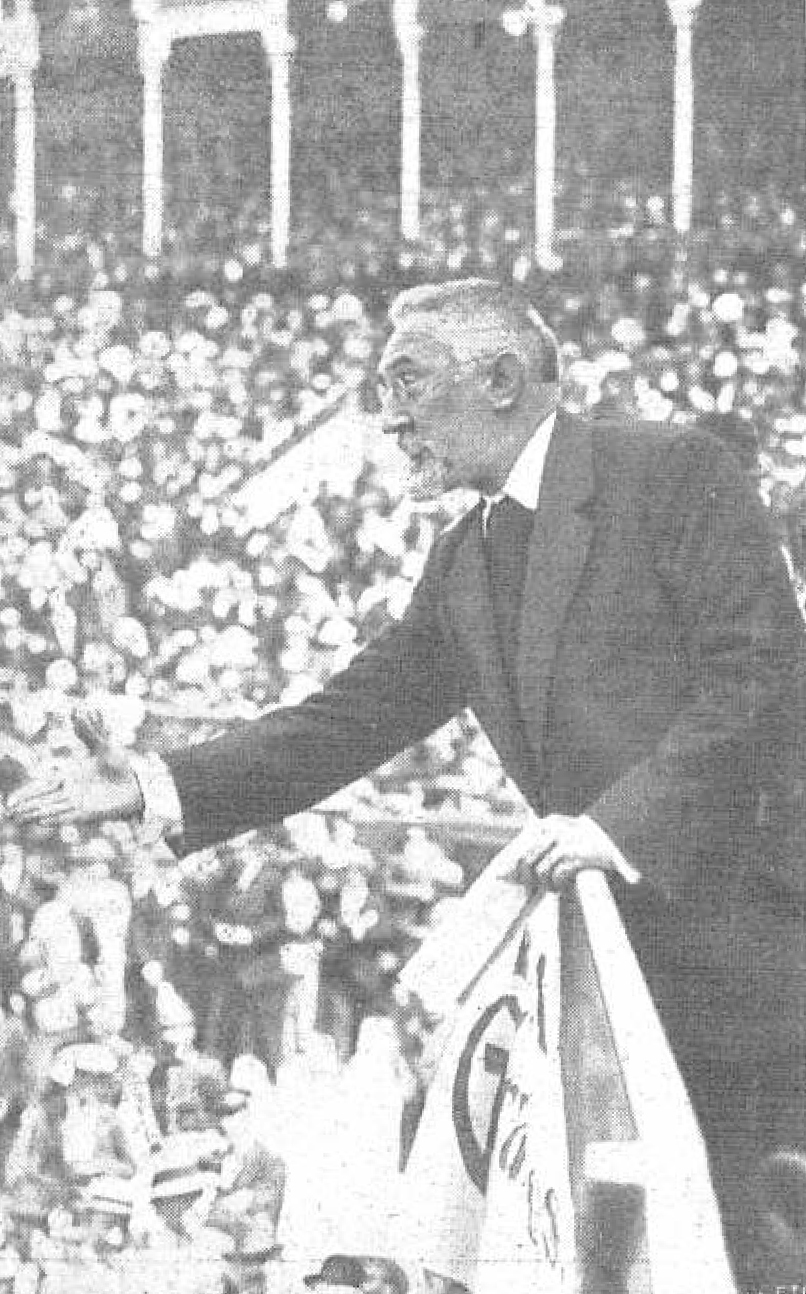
617	615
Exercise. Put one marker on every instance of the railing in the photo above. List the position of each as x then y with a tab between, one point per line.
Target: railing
647	1219
665	1159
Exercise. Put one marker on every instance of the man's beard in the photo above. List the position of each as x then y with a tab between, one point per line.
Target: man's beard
427	477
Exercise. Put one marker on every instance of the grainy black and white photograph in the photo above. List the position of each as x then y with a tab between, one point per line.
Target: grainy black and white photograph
402	646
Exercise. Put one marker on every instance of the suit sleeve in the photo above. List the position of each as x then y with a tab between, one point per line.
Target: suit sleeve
400	688
716	555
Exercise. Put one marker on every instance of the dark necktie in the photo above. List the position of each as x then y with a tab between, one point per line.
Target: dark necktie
509	526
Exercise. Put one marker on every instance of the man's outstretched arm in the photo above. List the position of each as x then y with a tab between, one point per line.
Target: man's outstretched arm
395	692
400	688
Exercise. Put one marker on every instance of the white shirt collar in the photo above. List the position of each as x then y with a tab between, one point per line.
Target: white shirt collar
526	474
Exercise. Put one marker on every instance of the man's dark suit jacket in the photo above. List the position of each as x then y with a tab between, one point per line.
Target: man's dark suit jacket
658	669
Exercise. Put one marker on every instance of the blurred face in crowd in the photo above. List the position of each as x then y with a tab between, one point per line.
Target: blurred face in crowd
458	420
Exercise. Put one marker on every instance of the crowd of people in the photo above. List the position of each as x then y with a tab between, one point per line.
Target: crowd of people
137	403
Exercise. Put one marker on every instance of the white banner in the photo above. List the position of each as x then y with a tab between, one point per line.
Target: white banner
488	1180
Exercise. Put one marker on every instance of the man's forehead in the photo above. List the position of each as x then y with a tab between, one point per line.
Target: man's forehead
453	334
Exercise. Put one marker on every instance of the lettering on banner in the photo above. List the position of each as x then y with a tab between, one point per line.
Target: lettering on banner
504	1082
482	1056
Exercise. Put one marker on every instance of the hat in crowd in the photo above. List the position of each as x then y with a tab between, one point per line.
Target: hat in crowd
357	1271
338	1269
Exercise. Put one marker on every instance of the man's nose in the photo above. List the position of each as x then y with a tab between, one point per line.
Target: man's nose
397	424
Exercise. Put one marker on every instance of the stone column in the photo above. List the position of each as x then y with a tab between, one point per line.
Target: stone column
409	34
682	13
154	49
279	46
546	20
19	58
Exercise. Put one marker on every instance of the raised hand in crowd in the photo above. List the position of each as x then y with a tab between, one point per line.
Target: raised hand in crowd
97	788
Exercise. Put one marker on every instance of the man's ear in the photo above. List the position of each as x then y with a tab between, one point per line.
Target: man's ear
506	379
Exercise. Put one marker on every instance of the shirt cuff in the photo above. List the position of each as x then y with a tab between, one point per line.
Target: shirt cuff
625	870
162	810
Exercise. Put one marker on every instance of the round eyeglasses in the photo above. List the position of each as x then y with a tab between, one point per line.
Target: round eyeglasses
407	386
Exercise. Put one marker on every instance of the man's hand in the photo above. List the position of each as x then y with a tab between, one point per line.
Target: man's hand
558	847
97	789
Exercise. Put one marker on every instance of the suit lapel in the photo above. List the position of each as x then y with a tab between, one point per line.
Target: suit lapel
470	614
557	554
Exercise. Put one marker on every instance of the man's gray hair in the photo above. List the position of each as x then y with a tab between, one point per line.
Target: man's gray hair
481	318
